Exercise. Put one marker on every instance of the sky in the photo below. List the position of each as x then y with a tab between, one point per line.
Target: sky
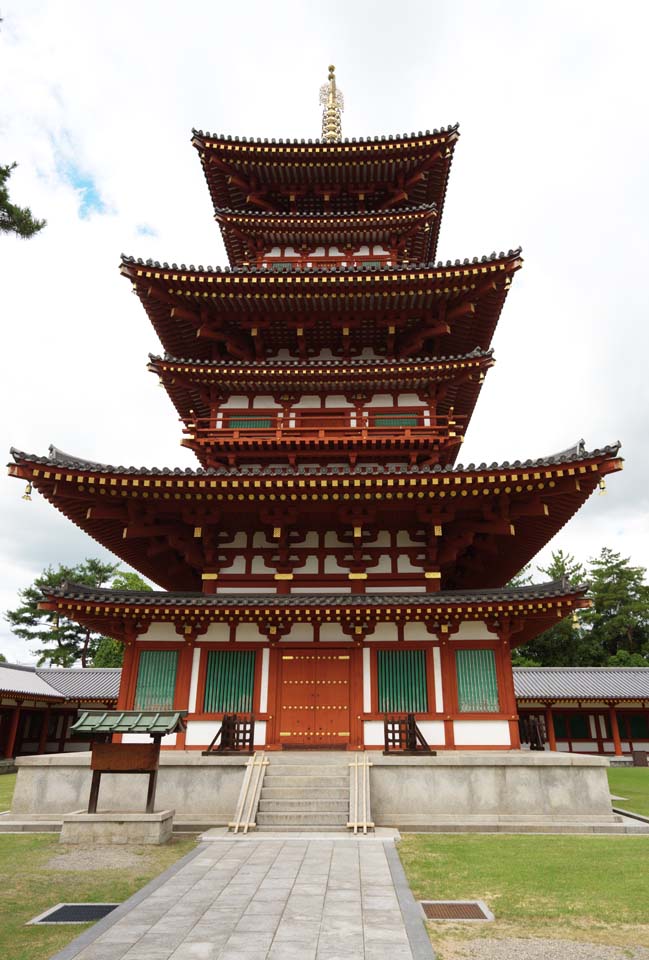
97	103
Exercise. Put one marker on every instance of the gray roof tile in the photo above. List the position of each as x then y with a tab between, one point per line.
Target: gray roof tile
582	683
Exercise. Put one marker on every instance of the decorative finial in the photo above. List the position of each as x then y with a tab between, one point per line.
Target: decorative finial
332	100
27	495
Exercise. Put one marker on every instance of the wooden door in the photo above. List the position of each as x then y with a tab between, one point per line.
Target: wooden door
314	698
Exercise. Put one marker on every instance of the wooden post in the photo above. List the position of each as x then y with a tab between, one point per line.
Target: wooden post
65	720
94	791
42	742
13	730
549	727
615	730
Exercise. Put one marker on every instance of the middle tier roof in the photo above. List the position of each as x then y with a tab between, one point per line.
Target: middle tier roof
397	312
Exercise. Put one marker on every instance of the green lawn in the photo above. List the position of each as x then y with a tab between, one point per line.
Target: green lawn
29	885
573	887
632	783
7	784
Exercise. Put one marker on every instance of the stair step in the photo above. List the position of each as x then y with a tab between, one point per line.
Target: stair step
303	806
304	793
311	781
301	819
305	828
313	757
307	770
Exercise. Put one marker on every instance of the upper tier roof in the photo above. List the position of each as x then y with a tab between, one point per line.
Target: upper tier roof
119	612
190	384
497	516
316	175
251	313
411	229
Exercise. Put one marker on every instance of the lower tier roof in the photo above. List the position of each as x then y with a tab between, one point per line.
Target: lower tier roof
524	611
581	683
476	525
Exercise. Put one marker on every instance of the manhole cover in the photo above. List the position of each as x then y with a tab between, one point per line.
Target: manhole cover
75	913
456	910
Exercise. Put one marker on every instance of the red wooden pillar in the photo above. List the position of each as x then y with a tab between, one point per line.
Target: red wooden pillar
549	727
65	721
506	686
13	730
449	689
42	740
615	730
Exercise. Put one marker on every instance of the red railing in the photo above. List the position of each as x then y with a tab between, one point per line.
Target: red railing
396	426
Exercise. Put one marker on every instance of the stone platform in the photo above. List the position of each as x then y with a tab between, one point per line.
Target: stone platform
117	828
513	791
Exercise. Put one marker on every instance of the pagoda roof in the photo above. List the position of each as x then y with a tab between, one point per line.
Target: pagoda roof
253	311
127	610
346	228
535	497
244	174
186	380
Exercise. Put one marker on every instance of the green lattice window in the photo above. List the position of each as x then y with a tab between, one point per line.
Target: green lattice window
405	420
156	680
402	681
250	423
281	266
477	685
560	726
638	724
229	681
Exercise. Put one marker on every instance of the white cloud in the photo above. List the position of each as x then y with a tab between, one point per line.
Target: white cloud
552	100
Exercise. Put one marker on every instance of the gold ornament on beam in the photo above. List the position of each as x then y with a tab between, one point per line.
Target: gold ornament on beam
27	495
332	100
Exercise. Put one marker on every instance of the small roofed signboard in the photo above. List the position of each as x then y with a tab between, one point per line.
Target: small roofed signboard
126	757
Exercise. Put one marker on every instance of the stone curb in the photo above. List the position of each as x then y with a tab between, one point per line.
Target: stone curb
418	939
89	936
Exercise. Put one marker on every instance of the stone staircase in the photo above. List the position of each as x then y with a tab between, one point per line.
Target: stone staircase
305	791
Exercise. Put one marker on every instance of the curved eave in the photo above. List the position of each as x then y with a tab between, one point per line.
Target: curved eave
102	500
226	307
241	172
125	613
186	383
413	226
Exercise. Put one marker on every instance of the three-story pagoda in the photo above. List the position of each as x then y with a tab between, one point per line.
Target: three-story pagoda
328	562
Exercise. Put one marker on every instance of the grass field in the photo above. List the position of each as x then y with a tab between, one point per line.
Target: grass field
632	783
29	884
7	784
573	887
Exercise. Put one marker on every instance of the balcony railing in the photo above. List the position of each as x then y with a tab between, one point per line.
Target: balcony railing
247	431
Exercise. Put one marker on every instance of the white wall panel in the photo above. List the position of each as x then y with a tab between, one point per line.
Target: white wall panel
481	733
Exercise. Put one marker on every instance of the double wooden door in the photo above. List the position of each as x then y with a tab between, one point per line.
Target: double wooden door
314	698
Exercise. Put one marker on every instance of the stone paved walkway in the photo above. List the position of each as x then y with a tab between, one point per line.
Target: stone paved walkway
272	899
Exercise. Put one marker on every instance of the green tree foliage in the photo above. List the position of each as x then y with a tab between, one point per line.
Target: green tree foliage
14	219
619	616
3	659
57	640
523	578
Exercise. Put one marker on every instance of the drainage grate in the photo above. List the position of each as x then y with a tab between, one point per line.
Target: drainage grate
456	910
75	913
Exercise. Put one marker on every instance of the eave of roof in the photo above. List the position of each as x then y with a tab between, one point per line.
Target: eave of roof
347	144
23	682
570	684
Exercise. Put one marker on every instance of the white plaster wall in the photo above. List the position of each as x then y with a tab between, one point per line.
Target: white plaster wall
432	731
260	733
405	565
240	540
331	540
384	632
161	632
248	633
337	401
405	540
236	402
579	746
322	590
216	633
409	400
310	565
373	733
591	724
332	633
437	679
238	565
380	400
265	403
307	403
481	733
263	687
416	632
367	681
300	633
258	565
331	565
168	741
383	565
200	733
473	630
382	539
193	682
259	540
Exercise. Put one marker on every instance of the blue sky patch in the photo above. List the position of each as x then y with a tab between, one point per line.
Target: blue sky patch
90	200
144	230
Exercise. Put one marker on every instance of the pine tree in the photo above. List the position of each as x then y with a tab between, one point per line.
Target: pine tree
619	617
14	219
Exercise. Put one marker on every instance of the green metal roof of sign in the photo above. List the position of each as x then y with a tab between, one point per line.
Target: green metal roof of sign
155	723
